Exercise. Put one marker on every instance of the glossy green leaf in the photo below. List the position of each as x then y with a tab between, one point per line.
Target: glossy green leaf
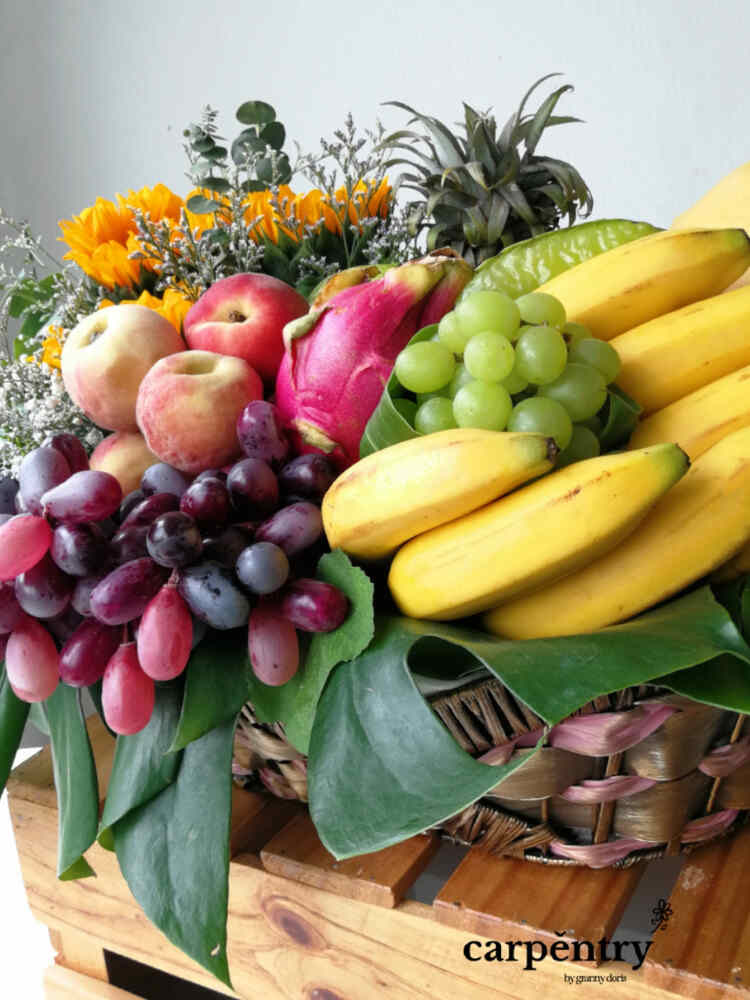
386	426
174	852
75	781
216	685
218	184
388	773
724	682
201	205
294	704
13	715
255	113
274	134
621	417
143	765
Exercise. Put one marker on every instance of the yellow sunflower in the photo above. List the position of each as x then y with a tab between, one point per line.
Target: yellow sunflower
172	306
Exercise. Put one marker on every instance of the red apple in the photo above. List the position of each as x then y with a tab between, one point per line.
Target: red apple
244	316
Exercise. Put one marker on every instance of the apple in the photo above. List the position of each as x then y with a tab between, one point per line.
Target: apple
106	356
188	406
244	316
126	456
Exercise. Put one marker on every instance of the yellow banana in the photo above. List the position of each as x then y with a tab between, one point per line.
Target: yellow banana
727	203
537	534
699	420
696	527
636	282
410	487
672	355
738	565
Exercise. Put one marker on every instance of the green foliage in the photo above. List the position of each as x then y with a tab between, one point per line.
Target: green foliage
13	715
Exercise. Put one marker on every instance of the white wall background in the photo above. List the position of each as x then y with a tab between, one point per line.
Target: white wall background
94	95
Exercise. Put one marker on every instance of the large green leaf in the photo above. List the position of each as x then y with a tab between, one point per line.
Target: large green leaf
13	715
382	768
174	852
75	781
724	682
294	703
620	418
143	765
216	684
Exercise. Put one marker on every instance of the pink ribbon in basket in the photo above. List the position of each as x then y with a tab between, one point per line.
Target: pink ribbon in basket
619	786
723	760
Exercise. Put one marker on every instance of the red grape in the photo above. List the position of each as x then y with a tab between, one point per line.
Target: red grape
71	449
81	598
314	606
44	590
124	593
207	501
263	568
128	694
292	528
165	635
23	541
11	612
261	434
226	547
163	478
174	540
32	662
145	512
213	596
41	470
129	543
307	476
253	488
272	644
90	495
87	652
78	549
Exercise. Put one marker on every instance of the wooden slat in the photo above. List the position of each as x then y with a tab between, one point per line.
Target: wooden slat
79	952
504	899
256	818
382	878
65	984
704	951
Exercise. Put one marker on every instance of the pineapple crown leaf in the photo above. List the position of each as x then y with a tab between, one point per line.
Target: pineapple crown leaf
443	140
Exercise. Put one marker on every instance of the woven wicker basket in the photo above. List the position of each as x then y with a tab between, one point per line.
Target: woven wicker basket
622	799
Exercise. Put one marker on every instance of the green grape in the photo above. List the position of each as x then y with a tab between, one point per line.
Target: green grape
488	311
542	416
538	308
580	389
422	397
435	414
489	356
575	331
594	424
584	444
451	334
459	380
598	354
407	408
515	382
482	404
541	354
425	366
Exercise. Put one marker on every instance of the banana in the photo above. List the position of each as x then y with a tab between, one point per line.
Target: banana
410	487
672	355
696	527
738	565
727	203
636	282
697	421
537	534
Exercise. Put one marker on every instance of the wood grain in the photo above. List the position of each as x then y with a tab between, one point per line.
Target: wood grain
65	984
504	898
705	950
382	878
80	952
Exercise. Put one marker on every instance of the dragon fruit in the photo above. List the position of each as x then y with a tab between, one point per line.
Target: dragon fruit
339	356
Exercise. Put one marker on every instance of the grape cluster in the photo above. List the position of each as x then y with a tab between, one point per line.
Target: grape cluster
499	363
97	586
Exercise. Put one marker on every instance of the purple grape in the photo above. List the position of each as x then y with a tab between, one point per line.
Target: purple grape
8	491
253	488
261	434
210	474
62	626
174	540
163	478
129	543
86	496
78	549
226	547
81	598
129	502
263	568
42	470
124	593
147	511
11	612
292	528
211	594
87	651
107	527
70	448
207	501
307	476
44	590
314	606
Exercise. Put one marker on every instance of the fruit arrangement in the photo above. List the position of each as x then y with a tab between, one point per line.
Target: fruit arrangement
522	454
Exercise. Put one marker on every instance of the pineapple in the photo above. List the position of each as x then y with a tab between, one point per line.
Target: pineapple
481	193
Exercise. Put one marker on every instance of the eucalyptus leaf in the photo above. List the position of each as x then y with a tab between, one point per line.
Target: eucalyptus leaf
216	685
75	781
273	134
218	184
255	113
202	206
622	414
174	852
13	715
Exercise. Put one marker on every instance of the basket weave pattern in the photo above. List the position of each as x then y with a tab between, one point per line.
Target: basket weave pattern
631	776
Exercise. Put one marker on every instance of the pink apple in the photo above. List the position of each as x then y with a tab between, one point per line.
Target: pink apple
244	316
106	356
188	406
126	456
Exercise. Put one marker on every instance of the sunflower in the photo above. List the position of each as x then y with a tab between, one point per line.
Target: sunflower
173	305
52	346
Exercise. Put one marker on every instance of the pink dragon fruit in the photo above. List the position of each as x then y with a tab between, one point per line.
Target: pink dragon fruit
339	357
